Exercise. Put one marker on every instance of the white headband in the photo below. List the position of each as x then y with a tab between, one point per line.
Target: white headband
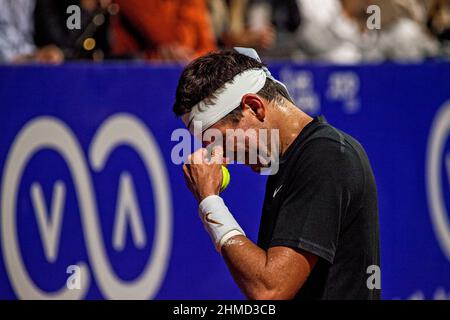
228	98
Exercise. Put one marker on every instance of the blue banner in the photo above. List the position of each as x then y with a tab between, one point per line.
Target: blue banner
92	205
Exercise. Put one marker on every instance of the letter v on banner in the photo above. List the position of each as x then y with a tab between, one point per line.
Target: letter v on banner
49	224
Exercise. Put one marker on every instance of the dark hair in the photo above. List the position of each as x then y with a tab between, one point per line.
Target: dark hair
205	75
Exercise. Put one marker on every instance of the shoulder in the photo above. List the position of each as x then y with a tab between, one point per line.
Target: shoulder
328	151
327	141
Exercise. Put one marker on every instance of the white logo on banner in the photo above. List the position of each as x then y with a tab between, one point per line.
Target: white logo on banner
437	160
344	87
51	133
301	88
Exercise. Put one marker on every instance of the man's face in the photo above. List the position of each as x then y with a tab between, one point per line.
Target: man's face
244	141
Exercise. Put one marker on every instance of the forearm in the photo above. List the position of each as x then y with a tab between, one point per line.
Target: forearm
249	267
247	262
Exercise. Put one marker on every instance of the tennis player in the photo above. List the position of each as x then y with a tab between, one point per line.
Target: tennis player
319	231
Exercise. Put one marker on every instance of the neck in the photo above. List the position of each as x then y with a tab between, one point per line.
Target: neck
291	121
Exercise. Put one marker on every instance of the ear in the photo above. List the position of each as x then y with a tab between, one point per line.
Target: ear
256	104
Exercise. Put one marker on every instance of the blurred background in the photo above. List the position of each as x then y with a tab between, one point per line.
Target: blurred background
92	203
178	31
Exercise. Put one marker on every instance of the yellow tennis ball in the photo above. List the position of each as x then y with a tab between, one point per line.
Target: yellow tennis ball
225	178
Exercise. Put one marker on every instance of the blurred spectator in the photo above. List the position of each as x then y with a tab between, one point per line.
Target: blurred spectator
326	33
336	31
238	25
403	35
91	41
164	30
285	16
438	19
16	35
438	22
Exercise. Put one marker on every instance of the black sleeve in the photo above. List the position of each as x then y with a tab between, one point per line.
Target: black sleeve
50	23
314	201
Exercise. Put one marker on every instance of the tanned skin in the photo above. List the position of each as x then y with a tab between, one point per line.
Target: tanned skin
279	272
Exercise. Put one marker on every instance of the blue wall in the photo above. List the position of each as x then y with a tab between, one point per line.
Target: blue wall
391	109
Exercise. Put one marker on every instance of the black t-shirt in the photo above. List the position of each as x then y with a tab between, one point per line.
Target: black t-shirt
323	200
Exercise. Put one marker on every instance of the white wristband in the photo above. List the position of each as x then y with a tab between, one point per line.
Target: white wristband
218	220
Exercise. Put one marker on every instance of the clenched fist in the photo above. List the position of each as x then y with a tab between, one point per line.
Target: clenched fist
203	175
